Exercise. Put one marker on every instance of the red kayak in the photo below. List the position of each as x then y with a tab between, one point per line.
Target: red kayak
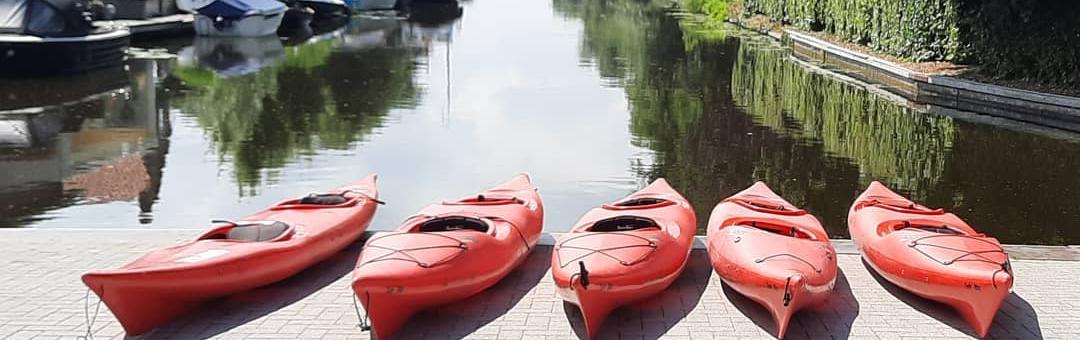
776	254
931	253
447	252
624	251
235	256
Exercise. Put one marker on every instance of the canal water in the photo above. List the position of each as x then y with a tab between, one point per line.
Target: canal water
593	98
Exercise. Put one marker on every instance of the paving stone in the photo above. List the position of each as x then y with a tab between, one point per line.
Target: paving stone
44	298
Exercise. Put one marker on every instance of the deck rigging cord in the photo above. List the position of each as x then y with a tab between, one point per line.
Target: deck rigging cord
800	259
604	251
460	244
965	255
86	313
365	323
405	252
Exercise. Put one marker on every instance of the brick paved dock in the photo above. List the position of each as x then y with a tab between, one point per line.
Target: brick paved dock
44	299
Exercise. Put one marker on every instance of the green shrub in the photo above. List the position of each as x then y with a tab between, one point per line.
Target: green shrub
715	10
1034	40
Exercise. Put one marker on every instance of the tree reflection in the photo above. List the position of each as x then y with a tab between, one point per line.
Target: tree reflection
720	110
314	98
679	87
888	141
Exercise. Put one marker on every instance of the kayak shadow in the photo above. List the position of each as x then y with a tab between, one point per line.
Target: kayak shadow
459	319
220	316
832	318
654	316
1016	318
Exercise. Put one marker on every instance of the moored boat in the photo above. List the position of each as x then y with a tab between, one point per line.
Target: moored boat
327	8
233	56
447	252
624	252
372	5
296	21
51	37
931	253
241	18
235	256
772	252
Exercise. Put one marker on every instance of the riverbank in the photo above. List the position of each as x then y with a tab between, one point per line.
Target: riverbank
931	87
46	300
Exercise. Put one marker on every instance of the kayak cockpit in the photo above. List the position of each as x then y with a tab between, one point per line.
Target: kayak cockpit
777	228
485	200
766	205
898	205
273	231
639	203
251	231
624	223
930	227
453	223
322	201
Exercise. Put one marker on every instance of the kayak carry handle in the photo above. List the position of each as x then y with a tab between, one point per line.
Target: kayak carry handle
584	274
787	292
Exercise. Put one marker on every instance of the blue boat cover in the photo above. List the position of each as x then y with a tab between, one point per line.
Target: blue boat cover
232	9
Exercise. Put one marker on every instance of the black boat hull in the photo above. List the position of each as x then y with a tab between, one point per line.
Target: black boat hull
326	10
32	56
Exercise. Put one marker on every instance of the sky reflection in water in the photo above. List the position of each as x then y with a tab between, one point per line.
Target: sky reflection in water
592	98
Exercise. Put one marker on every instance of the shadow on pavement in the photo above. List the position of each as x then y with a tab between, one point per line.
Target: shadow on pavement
459	319
652	317
220	316
1016	319
831	319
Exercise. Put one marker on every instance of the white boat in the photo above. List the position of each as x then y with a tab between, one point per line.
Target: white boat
238	18
51	37
231	56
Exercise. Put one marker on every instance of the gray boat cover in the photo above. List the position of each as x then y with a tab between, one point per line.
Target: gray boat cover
47	18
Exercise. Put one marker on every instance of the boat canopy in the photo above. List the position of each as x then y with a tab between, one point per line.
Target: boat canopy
46	18
231	9
331	2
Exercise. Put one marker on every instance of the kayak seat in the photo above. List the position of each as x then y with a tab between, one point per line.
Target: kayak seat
453	223
324	199
623	223
257	232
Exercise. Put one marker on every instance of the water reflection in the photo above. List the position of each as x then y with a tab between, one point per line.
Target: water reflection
722	110
594	98
230	56
885	139
264	105
93	139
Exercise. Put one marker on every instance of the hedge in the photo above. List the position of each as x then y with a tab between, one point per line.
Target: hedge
1035	40
920	30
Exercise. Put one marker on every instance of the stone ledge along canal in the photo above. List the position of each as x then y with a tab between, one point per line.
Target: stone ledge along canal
592	98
